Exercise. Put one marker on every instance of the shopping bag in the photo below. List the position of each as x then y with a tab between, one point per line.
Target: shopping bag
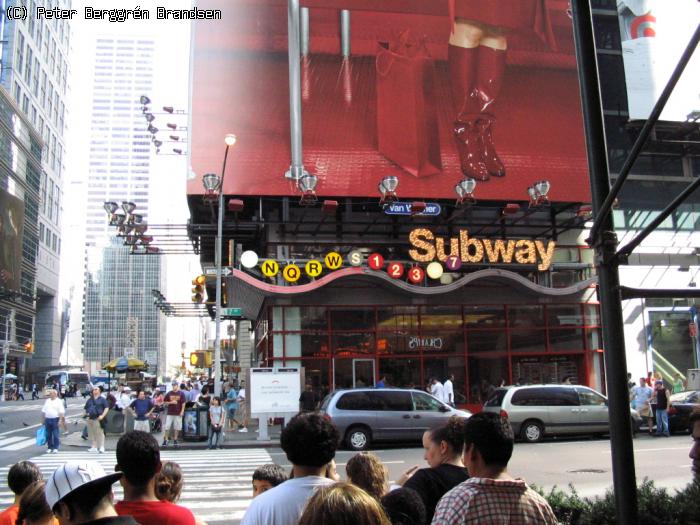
407	125
41	436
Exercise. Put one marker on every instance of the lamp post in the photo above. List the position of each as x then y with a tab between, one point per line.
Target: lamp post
212	182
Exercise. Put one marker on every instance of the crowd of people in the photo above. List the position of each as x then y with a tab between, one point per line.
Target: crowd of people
466	480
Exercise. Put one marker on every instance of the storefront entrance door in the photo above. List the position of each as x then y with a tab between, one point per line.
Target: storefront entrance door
671	341
353	373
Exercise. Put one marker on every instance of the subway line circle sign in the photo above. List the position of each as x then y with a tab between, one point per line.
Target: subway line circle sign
291	273
333	261
270	268
395	270
375	261
313	268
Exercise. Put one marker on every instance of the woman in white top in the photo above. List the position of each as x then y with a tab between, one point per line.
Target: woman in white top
52	413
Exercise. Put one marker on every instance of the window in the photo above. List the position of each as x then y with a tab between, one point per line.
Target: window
20	52
41	232
355	401
397	401
496	399
25	104
590	398
540	397
423	401
352	319
53	241
28	67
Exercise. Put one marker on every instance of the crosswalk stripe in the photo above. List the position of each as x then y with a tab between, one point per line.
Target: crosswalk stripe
7	441
28	442
217	484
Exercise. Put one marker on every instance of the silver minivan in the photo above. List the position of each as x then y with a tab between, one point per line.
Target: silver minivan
538	410
366	415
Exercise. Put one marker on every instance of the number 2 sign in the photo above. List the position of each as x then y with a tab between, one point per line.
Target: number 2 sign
395	270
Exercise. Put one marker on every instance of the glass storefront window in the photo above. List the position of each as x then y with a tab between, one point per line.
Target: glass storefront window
442	368
525	315
360	318
398	318
594	339
306	345
566	255
395	343
441	317
566	339
305	318
401	372
544	370
484	316
316	373
349	343
485	374
443	341
564	315
527	341
487	341
592	312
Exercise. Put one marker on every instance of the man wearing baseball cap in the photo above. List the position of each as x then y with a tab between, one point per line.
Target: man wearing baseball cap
80	493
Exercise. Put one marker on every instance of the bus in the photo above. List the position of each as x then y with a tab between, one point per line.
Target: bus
66	378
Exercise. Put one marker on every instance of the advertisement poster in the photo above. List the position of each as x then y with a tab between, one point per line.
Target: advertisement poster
654	35
432	91
11	230
275	391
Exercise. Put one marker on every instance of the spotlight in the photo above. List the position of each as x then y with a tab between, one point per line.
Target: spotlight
128	206
158	143
465	191
168	109
329	207
211	182
235	205
307	185
387	187
145	100
178	151
140	228
152	129
510	209
149	117
230	139
171	125
174	137
538	193
110	207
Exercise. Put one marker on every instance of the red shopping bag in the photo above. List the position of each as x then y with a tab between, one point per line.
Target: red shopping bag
407	126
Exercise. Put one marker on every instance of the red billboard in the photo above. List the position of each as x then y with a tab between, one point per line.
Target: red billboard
433	91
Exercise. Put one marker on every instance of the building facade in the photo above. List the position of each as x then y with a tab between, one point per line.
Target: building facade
34	71
120	319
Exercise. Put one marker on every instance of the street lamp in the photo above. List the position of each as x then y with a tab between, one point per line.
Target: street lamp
213	183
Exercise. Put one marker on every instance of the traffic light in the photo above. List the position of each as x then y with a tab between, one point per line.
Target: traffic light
197	360
198	289
29	347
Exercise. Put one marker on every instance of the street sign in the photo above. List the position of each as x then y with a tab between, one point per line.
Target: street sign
231	312
404	208
151	356
225	271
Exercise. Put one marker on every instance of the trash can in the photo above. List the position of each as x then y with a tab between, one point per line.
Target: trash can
114	422
195	424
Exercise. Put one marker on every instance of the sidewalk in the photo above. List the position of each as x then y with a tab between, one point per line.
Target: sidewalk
232	439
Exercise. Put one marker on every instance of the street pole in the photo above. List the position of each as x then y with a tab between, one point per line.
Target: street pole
230	141
6	352
607	267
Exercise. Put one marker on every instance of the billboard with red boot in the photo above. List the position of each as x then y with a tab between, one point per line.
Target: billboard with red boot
432	92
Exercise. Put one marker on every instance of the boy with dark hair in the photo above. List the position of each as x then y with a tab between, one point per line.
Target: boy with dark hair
138	458
20	476
310	442
81	493
491	495
267	477
404	507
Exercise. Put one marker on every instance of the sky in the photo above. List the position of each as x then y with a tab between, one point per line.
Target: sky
168	173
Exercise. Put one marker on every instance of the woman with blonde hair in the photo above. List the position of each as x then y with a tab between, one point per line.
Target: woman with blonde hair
343	504
367	472
33	508
169	485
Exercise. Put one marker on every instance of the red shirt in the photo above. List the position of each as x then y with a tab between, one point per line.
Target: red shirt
178	398
156	512
9	515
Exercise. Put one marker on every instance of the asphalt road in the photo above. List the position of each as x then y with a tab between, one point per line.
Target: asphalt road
583	463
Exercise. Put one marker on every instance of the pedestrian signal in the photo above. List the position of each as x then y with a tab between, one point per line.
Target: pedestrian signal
198	289
197	360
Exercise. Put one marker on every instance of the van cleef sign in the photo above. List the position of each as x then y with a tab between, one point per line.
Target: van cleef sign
427	247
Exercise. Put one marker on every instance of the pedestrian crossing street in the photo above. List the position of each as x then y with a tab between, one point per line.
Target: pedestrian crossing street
217	483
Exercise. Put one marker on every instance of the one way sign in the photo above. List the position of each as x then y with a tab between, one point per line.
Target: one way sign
226	270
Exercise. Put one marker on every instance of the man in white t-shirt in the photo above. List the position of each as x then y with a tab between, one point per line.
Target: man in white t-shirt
52	413
448	390
641	399
437	389
310	443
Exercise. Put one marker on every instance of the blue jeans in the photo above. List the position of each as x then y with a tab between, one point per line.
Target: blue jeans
662	421
214	437
51	425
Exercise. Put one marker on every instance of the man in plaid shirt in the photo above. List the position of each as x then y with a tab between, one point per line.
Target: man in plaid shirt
491	495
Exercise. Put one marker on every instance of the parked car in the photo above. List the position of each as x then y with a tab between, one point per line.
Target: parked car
536	411
367	415
682	404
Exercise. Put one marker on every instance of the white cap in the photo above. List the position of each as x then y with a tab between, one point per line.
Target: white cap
73	475
127	389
